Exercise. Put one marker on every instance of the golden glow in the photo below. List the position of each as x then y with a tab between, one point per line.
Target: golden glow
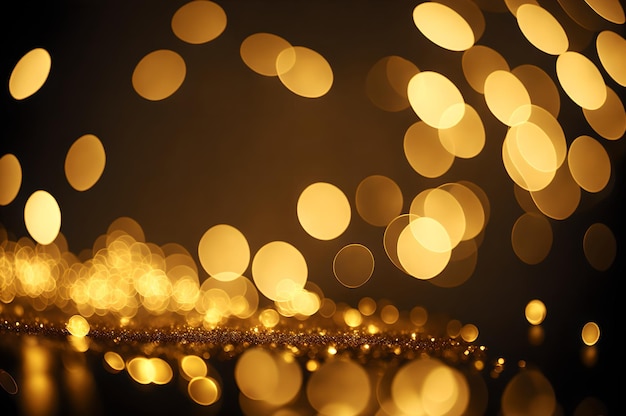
279	270
224	252
386	83
443	26
304	72
7	382
611	49
507	98
30	73
560	198
78	326
42	217
473	211
114	361
323	211
269	318
84	162
141	370
522	173
378	200
339	387
391	236
466	139
419	316
424	151
542	29
609	121
590	333
389	314
367	306
260	51
479	62
541	88
10	178
535	312
600	246
528	392
611	10
204	390
352	317
589	164
469	332
199	21
581	80
193	366
415	257
162	371
531	238
159	74
353	265
435	99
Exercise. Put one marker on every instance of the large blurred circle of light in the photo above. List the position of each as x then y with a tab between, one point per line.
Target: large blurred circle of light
461	266
193	366
141	369
435	99
159	74
531	238
304	72
590	333
506	96
425	152
323	211
478	62
386	83
256	374
611	49
114	361
10	178
414	256
78	326
528	393
289	379
353	265
84	162
260	51
378	200
581	80
30	73
609	121
199	21
519	170
443	26
391	235
204	390
42	217
542	29
535	312
541	88
600	246
339	387
224	252
535	147
589	164
466	139
611	10
279	270
162	371
560	198
441	206
473	209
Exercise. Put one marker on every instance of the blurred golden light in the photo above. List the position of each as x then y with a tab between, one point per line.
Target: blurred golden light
535	312
260	51
352	317
386	83
419	316
224	252
531	238
141	369
466	139
279	270
378	200
204	390
443	26
528	392
159	74
269	318
353	265
541	88
435	99
114	361
339	387
609	121
611	48
600	246
479	62
367	306
507	98
30	73
590	333
441	206
581	80
425	152
162	371
323	211
611	10
7	382
78	326
469	332
589	164
84	162
473	210
561	197
304	72
10	178
199	21
389	314
42	217
423	248
542	29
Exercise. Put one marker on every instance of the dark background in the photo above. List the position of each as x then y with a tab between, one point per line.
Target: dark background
231	146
